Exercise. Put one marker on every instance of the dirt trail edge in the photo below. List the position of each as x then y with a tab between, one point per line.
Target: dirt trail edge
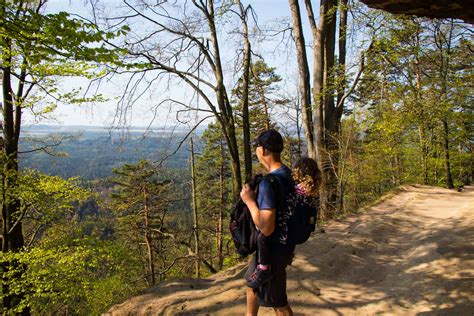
412	254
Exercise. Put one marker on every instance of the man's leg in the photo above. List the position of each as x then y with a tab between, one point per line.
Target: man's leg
252	302
283	311
252	299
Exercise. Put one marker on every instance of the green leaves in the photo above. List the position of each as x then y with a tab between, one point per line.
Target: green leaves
47	198
40	48
82	278
65	267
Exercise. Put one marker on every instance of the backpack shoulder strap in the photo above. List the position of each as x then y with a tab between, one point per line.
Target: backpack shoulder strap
276	188
274	182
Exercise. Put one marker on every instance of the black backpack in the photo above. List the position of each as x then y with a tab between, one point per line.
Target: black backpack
301	218
242	229
302	223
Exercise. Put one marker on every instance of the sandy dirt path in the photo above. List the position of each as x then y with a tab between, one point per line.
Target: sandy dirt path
412	254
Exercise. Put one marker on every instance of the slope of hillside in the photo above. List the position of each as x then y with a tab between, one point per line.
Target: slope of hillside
412	254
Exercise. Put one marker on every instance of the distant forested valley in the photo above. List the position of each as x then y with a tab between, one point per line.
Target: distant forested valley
92	152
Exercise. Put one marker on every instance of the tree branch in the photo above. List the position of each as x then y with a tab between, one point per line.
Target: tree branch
160	162
204	50
18	220
354	84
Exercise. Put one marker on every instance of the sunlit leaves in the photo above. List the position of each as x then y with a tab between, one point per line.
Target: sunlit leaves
69	278
42	48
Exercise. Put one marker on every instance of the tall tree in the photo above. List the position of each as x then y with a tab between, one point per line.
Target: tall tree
409	65
262	97
213	191
243	14
321	113
183	41
195	211
141	198
36	49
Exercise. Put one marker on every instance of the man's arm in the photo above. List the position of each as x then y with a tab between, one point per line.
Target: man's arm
263	219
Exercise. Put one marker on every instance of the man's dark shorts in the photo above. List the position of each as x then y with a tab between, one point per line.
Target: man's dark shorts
272	293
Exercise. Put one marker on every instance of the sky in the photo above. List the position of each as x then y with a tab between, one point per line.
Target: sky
276	54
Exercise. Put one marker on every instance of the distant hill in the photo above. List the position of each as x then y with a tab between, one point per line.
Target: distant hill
92	152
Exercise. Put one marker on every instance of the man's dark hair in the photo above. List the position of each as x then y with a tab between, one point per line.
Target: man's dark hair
269	139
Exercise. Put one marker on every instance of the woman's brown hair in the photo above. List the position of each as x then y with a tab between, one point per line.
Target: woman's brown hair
306	171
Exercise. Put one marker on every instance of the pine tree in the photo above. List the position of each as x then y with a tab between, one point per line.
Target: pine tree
214	192
263	98
140	199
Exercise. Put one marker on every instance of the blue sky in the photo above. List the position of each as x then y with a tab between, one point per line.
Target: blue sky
279	56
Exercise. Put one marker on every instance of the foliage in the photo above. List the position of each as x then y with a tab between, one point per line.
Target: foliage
410	121
83	276
411	114
142	199
62	268
263	97
213	189
36	49
42	48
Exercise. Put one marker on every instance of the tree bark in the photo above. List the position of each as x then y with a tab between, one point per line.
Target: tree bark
424	152
304	84
148	240
322	121
447	160
341	69
220	227
12	236
195	214
317	120
245	93
226	118
330	132
420	110
444	70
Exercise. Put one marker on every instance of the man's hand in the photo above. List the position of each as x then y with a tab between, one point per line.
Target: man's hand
247	195
263	219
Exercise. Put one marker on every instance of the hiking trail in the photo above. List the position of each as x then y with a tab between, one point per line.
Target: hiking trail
410	254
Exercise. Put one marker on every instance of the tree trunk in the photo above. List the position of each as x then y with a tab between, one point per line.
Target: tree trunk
220	227
148	240
420	110
195	215
444	69
12	232
265	110
304	84
226	118
318	115
447	161
322	121
341	69
245	94
424	153
298	129
461	166
330	135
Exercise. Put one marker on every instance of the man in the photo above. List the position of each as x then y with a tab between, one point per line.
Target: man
268	147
